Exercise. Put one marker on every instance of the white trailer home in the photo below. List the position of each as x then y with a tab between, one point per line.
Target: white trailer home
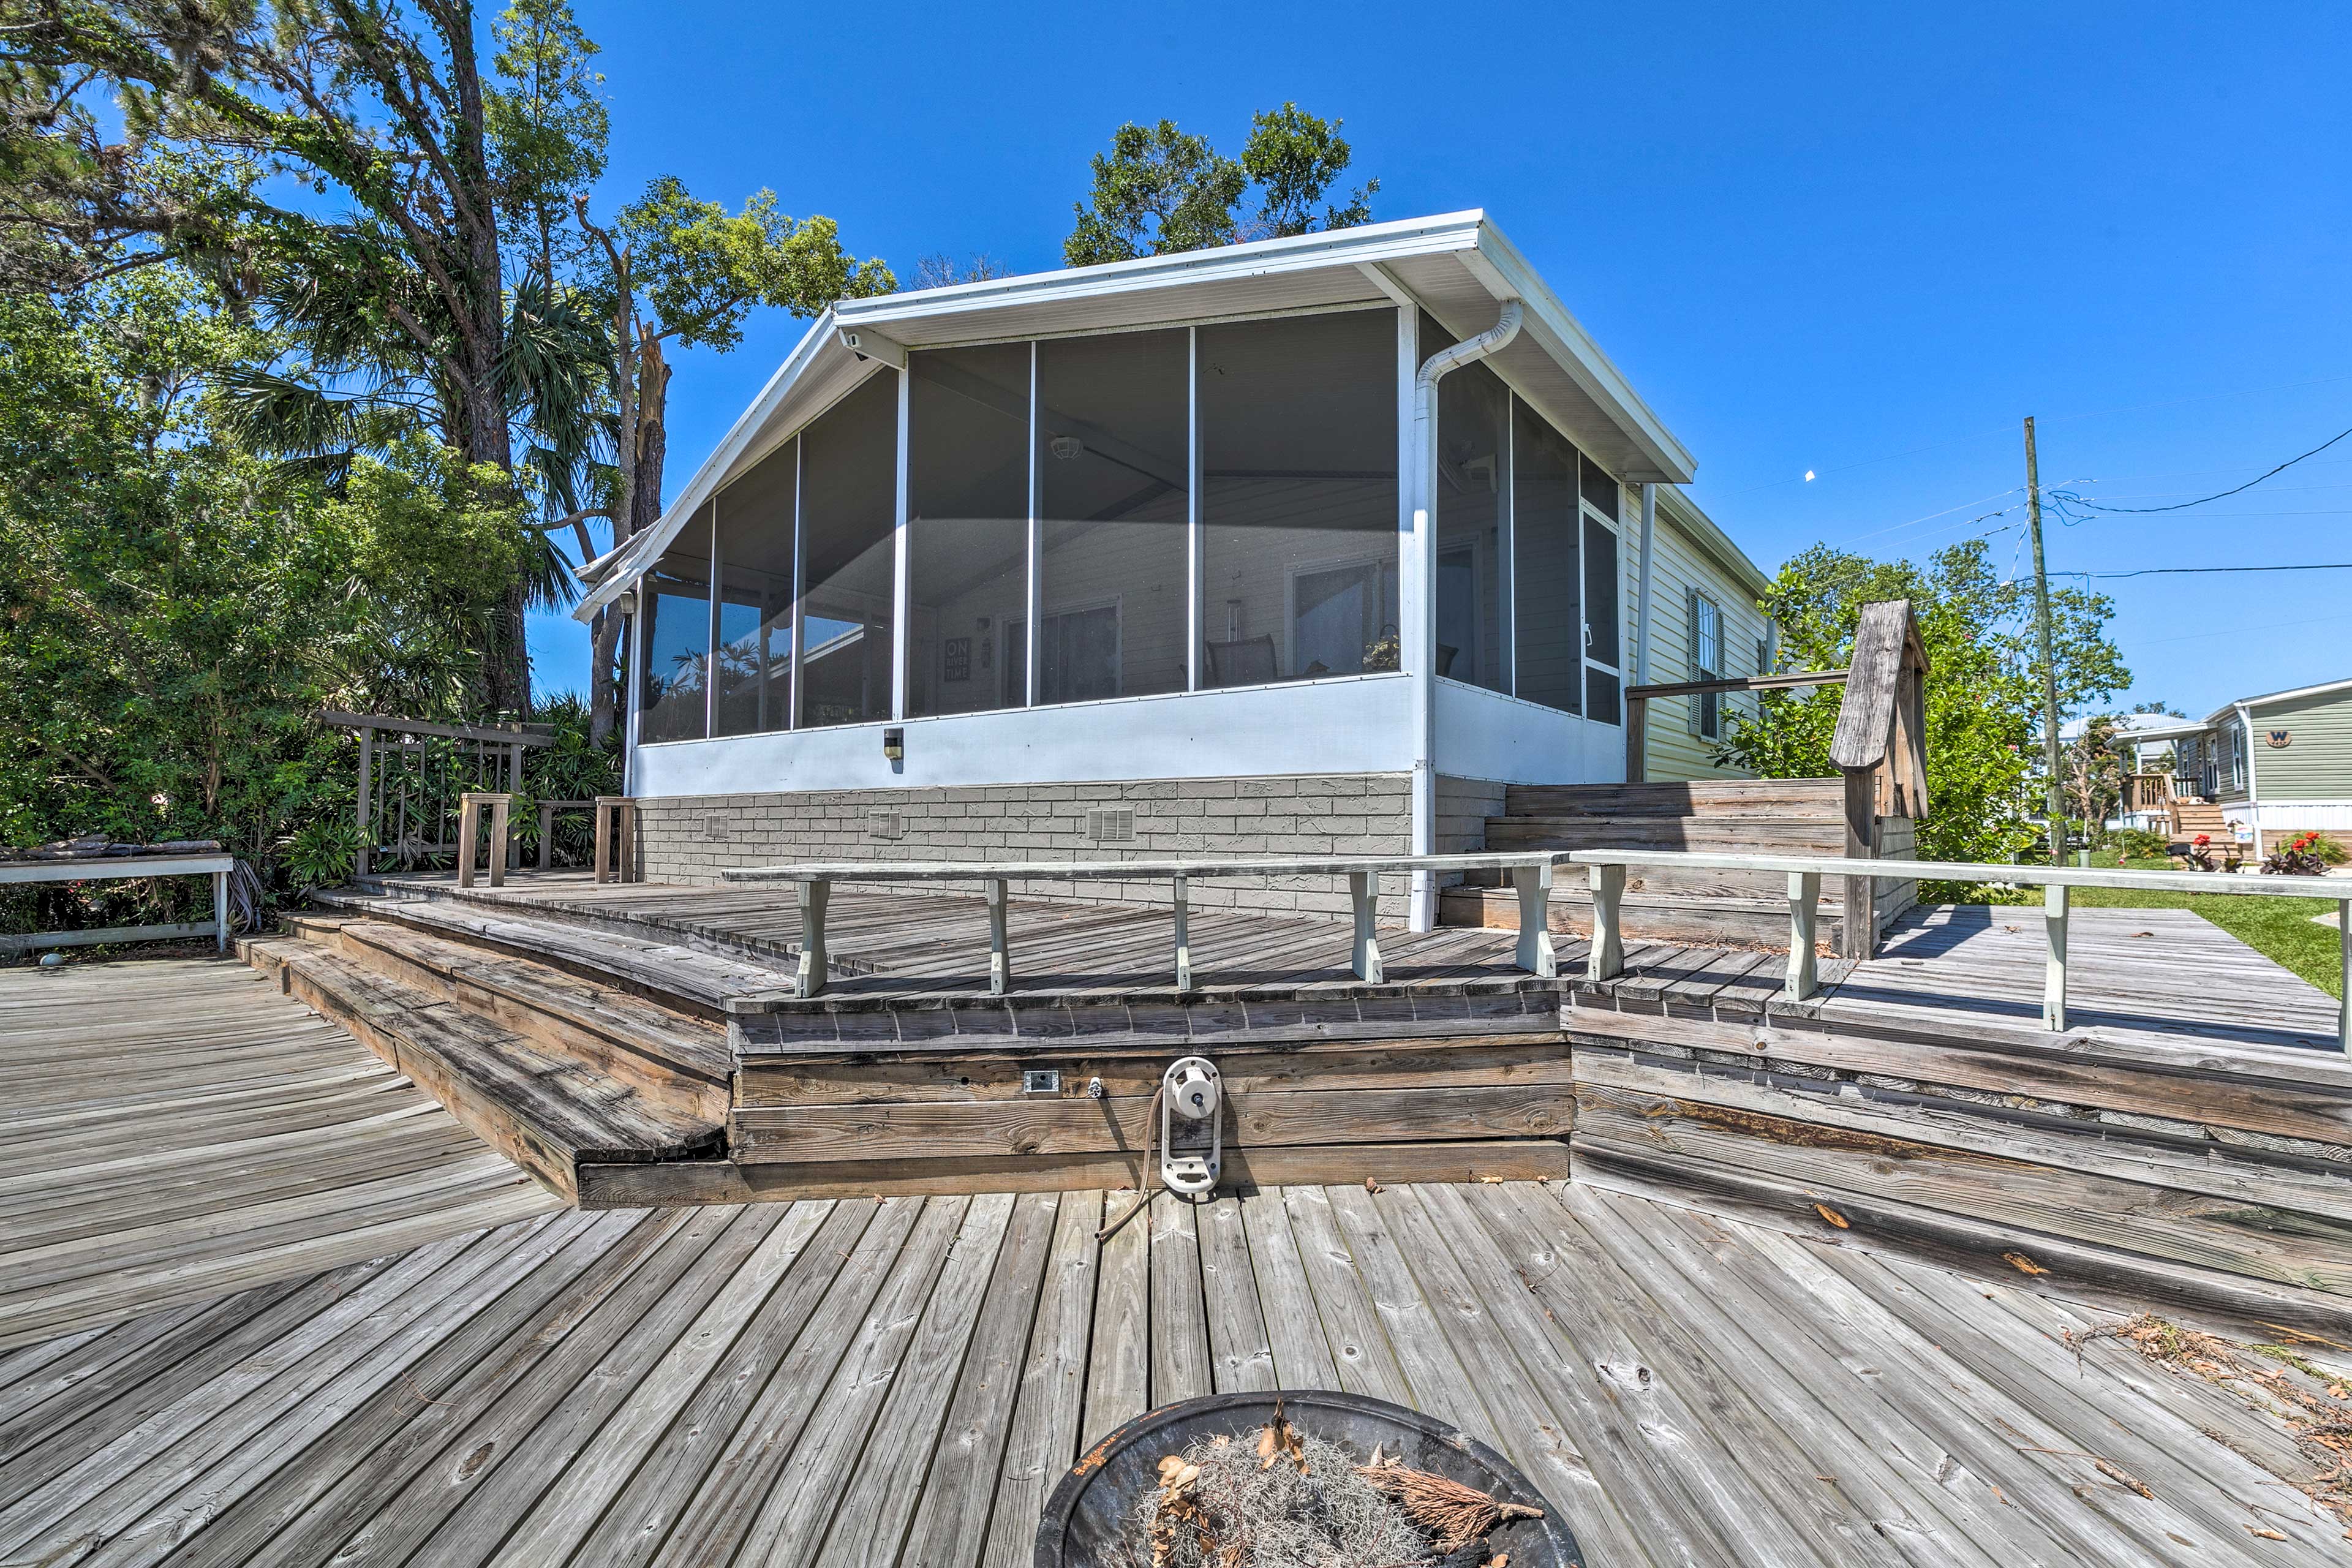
1310	545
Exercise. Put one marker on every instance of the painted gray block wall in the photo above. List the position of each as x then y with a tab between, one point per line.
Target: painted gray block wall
694	838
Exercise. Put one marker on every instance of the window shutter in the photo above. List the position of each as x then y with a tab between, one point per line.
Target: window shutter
1690	655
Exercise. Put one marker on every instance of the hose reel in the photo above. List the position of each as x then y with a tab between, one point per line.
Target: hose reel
1193	1089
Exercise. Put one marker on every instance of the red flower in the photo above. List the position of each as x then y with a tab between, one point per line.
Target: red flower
2204	838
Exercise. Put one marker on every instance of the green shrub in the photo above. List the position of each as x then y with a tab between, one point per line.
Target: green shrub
2139	844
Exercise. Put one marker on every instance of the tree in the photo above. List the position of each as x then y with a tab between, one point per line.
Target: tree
1160	190
1983	692
673	269
940	271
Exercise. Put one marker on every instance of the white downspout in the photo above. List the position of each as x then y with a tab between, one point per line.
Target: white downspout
1424	911
1641	617
2253	795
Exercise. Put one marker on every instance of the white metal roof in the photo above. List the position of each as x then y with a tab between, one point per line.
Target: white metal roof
1457	266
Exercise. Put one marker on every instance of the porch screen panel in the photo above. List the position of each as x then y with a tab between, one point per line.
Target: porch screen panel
1547	578
753	662
1300	550
849	507
968	509
1114	480
1471	404
677	596
1602	685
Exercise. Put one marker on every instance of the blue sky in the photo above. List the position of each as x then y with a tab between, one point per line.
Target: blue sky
1861	240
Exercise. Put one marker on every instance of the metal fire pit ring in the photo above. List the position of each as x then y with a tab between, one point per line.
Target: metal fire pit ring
1089	1511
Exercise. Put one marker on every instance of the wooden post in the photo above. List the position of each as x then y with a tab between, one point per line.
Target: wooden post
1859	928
546	834
812	902
1805	962
1000	956
2053	981
2344	1007
469	822
220	912
367	817
500	804
1183	939
1536	955
1608	957
1637	739
1364	888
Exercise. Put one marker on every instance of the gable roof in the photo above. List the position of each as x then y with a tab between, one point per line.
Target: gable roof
1457	266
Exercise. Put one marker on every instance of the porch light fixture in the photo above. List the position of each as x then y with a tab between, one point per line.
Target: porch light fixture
894	744
1065	446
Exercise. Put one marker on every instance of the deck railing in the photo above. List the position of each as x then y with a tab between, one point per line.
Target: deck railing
1531	875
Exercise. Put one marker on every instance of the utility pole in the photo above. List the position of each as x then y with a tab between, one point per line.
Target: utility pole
2055	804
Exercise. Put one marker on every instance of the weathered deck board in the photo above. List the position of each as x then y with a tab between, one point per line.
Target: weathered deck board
176	1129
839	1382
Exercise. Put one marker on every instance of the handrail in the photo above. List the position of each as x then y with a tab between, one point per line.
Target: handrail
1531	873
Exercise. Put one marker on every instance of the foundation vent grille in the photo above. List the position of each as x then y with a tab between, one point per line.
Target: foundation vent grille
885	825
1111	824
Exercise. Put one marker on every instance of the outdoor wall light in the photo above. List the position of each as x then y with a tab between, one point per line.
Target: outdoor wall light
894	744
1065	446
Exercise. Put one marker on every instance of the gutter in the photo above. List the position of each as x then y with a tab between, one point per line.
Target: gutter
1423	908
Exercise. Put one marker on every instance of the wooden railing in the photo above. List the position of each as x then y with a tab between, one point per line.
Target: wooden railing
1639	698
1531	875
2146	792
412	774
1804	872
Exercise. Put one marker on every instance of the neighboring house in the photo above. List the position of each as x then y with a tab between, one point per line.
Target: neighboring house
2277	763
1168	556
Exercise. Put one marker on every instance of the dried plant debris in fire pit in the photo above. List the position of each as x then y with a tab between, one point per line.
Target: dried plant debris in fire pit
1291	1501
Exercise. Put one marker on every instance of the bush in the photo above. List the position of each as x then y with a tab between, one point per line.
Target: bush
2139	844
2306	854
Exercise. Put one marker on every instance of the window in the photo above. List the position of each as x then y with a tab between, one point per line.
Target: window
1707	664
1299	451
849	505
968	521
1472	462
754	667
674	701
1547	571
1114	492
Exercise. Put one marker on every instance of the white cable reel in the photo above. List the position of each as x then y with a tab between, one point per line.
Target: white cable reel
1192	1090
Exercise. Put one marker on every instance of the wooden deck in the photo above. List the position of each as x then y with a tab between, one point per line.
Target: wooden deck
175	1129
869	1381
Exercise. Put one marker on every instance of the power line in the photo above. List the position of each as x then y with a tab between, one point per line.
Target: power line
2185	570
2250	484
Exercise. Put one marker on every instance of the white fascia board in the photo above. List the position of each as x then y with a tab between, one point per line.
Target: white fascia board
1707	534
2300	691
1231	263
1559	331
616	569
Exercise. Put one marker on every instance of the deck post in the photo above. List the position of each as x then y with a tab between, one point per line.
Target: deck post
1536	954
1607	959
500	806
366	818
813	895
1183	939
469	823
1364	890
1804	962
1000	956
546	833
220	912
2054	982
2344	1007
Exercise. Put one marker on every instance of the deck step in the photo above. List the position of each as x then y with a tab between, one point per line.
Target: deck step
682	1063
1722	919
547	1110
688	980
1730	835
1697	797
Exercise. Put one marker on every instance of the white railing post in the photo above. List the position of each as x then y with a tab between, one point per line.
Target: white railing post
1183	939
2053	981
813	895
1805	962
1608	957
1000	956
220	912
1533	884
1364	890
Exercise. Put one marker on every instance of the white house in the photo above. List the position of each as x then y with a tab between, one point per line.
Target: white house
1312	543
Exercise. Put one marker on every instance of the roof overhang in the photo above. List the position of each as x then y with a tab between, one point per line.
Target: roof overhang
1458	266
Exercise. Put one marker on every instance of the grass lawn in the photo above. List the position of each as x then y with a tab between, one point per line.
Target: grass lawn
2281	930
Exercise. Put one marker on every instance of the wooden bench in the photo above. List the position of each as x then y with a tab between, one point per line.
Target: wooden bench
1530	872
108	868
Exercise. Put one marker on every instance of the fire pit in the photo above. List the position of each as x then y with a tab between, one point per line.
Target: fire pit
1092	1511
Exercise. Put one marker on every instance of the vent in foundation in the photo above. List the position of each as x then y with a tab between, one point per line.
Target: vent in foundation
714	828
1111	824
885	825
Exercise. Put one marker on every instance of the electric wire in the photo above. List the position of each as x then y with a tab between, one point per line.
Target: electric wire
2182	506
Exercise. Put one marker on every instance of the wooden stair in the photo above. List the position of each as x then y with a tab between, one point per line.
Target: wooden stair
2191	817
1791	816
556	1071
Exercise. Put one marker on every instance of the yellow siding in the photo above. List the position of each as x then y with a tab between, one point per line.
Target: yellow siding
1675	750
